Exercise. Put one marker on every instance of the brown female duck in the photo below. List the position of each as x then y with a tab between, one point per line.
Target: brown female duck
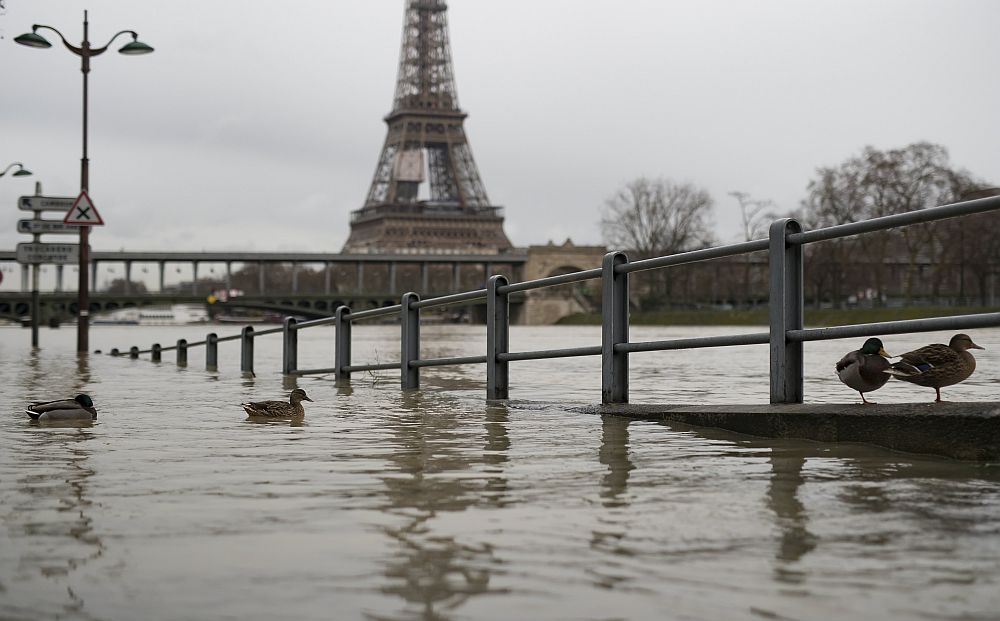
864	369
936	366
279	409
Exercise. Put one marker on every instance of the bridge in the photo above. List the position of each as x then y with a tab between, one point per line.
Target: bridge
304	283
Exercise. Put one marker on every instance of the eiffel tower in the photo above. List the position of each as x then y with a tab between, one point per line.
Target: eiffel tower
426	141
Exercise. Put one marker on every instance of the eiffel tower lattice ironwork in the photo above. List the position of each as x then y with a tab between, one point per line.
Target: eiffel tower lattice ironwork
426	141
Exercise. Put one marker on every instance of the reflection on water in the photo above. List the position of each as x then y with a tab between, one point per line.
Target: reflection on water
795	540
434	574
430	505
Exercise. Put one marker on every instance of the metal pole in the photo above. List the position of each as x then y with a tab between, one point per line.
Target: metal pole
326	278
785	305
497	338
83	287
35	295
35	302
290	347
182	352
409	321
212	351
614	330
392	278
246	350
342	345
156	352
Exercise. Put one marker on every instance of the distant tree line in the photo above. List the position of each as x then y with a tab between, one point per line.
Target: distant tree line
952	261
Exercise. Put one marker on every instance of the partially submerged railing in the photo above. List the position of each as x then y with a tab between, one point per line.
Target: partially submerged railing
785	335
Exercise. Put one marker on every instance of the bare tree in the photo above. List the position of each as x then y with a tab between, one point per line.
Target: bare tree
655	217
880	183
756	215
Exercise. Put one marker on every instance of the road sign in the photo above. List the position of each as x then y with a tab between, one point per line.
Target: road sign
36	227
56	254
44	203
83	212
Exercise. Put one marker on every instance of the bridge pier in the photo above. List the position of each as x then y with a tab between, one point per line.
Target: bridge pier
326	278
128	277
229	276
59	278
163	269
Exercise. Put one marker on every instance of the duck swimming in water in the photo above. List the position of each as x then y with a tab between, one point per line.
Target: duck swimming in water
864	369
80	407
936	366
279	409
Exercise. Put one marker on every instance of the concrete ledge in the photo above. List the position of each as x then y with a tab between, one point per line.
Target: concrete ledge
966	431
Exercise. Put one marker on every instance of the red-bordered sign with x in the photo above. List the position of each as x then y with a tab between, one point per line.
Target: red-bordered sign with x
83	212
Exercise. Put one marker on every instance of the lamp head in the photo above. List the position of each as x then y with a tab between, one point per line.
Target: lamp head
135	48
32	39
22	173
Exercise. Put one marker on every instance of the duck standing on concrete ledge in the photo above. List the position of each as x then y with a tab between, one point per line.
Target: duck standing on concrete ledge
80	407
865	369
279	409
937	365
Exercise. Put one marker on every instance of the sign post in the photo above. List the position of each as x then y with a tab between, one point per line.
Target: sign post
84	213
79	214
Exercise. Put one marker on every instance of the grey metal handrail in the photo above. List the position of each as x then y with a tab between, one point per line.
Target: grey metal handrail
785	335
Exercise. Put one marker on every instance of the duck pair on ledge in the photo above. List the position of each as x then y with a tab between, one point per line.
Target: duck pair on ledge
934	366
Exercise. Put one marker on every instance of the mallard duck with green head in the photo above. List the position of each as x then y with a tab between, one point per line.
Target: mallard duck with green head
865	369
936	366
279	409
80	407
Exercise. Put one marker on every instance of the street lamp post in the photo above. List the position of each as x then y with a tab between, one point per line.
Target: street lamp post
20	172
85	52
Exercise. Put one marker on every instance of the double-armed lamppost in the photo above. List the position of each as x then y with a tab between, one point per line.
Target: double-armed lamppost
20	172
85	52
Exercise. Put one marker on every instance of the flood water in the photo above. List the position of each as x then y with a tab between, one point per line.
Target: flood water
430	505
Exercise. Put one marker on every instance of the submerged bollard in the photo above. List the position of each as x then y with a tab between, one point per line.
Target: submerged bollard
785	304
614	330
182	352
133	352
212	351
156	352
409	342
246	350
290	347
497	338
114	351
342	345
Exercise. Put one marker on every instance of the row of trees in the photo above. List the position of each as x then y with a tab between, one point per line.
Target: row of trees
655	217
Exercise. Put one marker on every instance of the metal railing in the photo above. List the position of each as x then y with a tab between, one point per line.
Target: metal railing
785	334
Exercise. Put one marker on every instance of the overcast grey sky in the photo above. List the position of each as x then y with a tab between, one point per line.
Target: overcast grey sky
256	125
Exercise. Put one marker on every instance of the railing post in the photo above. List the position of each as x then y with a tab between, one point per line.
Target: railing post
409	341
133	352
212	351
342	345
497	338
246	350
290	347
156	351
785	304
614	329
182	352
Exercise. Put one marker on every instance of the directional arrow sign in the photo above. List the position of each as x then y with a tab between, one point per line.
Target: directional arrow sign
43	203
36	227
58	254
83	212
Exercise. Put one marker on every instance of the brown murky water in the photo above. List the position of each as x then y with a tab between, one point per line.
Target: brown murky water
430	505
